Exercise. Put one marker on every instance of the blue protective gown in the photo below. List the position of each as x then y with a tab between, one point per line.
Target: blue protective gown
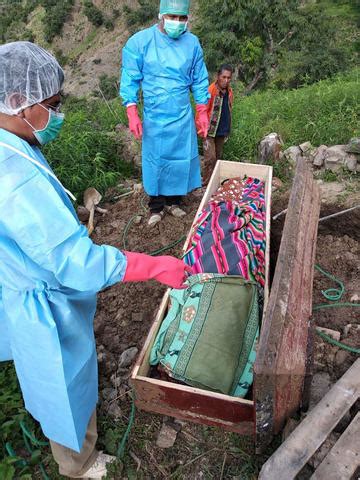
50	272
167	69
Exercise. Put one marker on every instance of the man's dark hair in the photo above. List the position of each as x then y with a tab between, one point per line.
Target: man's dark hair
225	66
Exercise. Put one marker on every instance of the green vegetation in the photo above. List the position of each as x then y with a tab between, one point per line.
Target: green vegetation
93	14
14	16
88	151
14	457
324	113
55	16
137	18
285	44
108	86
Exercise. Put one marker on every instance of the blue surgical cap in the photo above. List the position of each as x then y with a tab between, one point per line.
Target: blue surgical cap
175	7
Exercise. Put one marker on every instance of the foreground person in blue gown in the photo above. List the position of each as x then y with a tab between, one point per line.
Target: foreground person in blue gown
50	270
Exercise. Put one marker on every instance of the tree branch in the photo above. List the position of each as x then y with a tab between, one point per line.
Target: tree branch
257	77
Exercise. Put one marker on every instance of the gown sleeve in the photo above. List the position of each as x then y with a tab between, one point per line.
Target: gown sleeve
47	232
200	82
131	72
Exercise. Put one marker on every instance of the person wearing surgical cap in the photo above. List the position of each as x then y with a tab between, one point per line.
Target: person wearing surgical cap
166	61
50	270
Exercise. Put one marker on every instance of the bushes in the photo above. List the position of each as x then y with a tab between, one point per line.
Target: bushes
324	113
93	14
282	43
109	86
88	150
55	16
138	17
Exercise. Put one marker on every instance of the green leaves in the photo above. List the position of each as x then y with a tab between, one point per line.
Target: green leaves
7	471
291	43
88	152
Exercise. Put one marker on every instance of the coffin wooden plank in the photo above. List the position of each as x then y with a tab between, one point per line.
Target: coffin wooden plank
344	458
303	442
159	396
282	353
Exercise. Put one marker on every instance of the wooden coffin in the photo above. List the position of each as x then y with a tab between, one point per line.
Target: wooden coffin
210	408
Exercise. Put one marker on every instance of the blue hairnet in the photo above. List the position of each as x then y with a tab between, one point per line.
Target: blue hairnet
175	7
29	75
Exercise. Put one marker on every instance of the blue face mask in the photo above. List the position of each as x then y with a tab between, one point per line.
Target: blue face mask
174	28
51	129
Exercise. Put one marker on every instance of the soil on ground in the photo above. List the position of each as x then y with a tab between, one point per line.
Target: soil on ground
126	311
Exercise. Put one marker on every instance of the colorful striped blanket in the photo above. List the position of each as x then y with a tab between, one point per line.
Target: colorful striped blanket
229	234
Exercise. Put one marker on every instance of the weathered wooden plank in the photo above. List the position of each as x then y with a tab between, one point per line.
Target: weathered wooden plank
344	458
282	353
242	428
299	447
159	395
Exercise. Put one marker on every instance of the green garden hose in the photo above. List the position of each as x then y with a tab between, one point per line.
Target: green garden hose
338	344
121	449
334	295
29	439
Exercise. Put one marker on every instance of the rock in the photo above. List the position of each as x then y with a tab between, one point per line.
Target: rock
276	184
332	333
335	157
109	394
351	162
137	219
167	436
83	213
319	156
351	326
270	148
292	154
127	357
137	187
115	380
341	357
101	356
114	411
320	385
354	145
306	147
355	298
325	448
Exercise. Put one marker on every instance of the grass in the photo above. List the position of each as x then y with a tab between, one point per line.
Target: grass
324	113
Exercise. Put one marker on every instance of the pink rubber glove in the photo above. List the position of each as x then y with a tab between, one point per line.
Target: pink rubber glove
134	121
202	120
164	269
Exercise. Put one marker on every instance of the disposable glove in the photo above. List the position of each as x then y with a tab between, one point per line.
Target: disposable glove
135	125
202	120
164	269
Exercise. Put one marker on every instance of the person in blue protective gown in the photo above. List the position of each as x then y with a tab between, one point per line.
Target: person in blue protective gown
50	270
166	61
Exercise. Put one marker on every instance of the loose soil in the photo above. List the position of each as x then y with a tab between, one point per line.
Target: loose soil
125	313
